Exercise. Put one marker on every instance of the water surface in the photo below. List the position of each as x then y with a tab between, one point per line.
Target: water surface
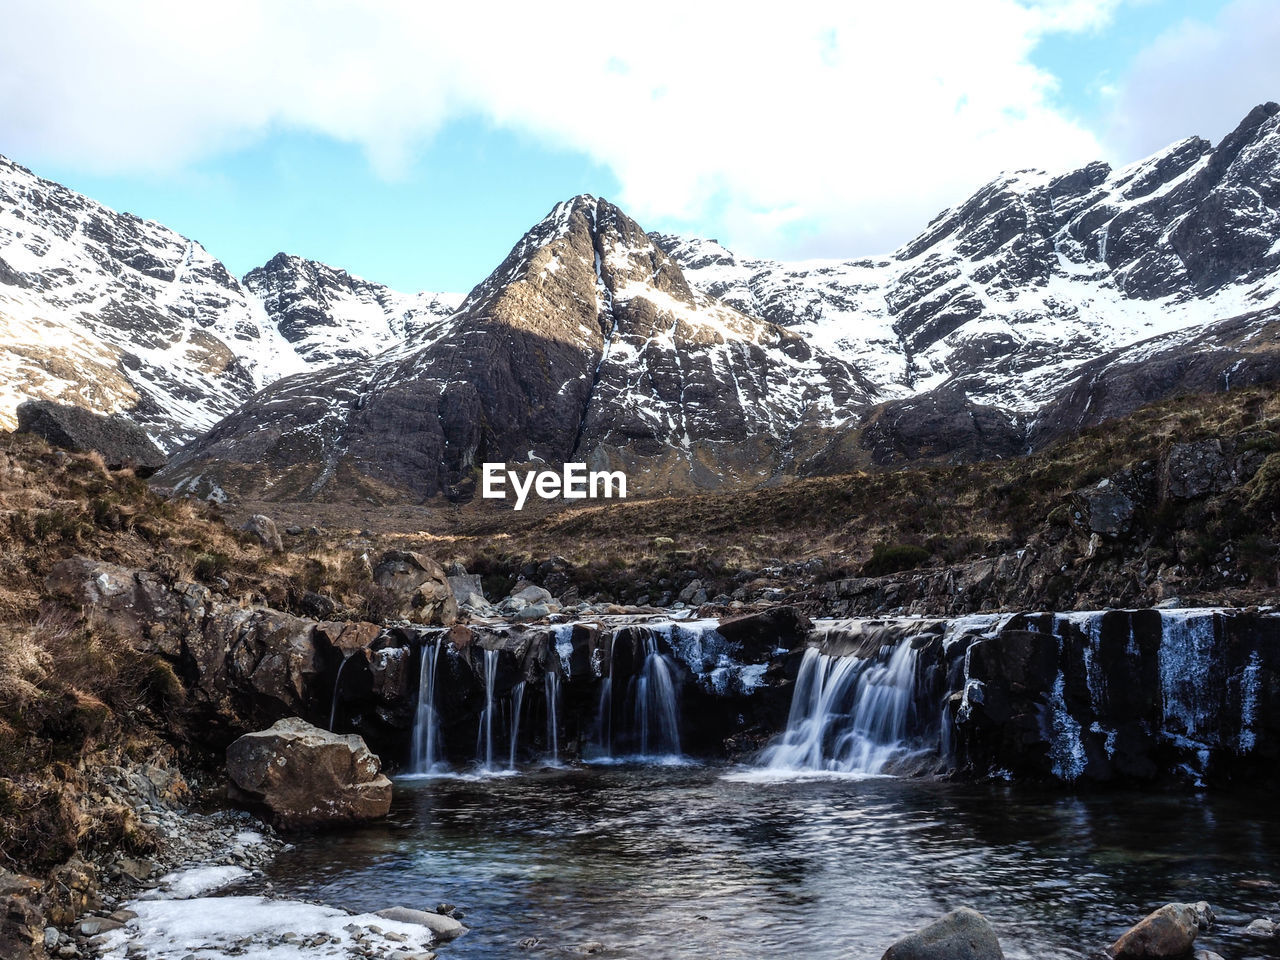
704	861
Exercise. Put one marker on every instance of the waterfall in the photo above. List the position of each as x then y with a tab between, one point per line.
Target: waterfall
486	718
605	712
848	714
657	710
337	684
517	700
551	681
426	724
648	712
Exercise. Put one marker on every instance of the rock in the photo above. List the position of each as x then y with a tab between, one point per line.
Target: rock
1261	928
92	926
531	594
962	934
136	869
1106	509
760	634
469	592
22	927
1169	932
692	590
263	528
307	776
293	530
442	927
419	586
1204	914
590	948
534	611
121	442
318	606
1194	469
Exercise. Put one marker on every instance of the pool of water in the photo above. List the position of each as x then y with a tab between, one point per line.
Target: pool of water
715	862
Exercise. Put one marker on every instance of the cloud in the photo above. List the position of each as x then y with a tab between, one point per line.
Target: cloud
817	124
1199	77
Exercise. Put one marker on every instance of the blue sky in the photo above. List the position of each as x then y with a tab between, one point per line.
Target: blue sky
364	145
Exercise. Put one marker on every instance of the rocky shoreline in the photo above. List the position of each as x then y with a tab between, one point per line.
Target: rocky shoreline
173	902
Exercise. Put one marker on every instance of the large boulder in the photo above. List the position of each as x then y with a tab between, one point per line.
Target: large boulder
1166	934
263	529
962	934
419	586
308	777
121	442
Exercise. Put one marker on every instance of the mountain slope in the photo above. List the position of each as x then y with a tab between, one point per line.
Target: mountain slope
586	343
122	315
1007	295
329	316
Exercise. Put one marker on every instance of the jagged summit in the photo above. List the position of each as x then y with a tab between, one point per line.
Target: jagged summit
329	315
1037	304
585	343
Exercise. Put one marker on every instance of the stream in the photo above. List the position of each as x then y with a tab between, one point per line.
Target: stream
670	860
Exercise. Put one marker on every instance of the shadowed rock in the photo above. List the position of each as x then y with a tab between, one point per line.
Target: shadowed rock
120	442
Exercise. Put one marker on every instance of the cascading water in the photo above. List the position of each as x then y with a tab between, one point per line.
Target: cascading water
657	710
648	713
484	749
517	701
848	714
337	685
426	725
551	683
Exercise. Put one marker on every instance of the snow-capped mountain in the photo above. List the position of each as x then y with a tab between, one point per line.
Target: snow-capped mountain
118	314
585	343
329	316
1007	295
1038	305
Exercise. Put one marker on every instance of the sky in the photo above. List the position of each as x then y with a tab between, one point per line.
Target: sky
413	144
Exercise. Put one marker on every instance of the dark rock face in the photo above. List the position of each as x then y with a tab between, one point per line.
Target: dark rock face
308	777
942	424
585	344
121	442
962	934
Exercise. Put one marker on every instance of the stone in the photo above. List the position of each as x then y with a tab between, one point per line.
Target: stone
1108	510
1194	470
531	594
22	927
1164	934
263	529
121	442
1261	928
534	611
419	586
92	926
962	934
308	777
758	635
443	928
